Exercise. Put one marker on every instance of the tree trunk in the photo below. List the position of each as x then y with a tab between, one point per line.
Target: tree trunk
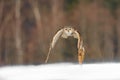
108	42
37	15
118	35
1	12
18	38
40	29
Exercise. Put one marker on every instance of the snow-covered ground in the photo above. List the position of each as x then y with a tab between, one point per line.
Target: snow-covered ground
62	71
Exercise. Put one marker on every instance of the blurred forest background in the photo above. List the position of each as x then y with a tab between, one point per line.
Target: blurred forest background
28	26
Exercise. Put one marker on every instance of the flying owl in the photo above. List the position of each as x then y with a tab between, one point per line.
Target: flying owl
65	33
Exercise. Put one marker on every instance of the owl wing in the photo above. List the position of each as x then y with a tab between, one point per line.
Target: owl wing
81	49
56	37
77	36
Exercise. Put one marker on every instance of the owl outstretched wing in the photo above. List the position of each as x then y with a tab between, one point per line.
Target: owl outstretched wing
81	50
77	36
55	38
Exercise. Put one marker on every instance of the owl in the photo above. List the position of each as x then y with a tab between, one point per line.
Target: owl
65	33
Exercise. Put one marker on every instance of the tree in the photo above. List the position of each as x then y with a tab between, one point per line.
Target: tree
18	38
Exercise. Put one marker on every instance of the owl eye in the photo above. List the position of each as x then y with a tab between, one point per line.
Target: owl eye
65	29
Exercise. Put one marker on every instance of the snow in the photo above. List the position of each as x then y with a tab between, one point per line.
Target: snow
62	71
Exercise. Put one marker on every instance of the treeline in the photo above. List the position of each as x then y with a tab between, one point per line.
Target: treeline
27	28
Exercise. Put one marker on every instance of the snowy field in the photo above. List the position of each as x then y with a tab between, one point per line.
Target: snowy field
62	71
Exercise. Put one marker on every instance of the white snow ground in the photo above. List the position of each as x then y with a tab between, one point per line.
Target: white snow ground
62	71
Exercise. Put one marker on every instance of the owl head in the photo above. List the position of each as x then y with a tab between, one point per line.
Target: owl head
68	31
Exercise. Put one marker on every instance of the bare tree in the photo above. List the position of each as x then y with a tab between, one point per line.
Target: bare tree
1	9
54	12
108	39
94	37
1	12
39	27
37	15
4	36
118	34
18	38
